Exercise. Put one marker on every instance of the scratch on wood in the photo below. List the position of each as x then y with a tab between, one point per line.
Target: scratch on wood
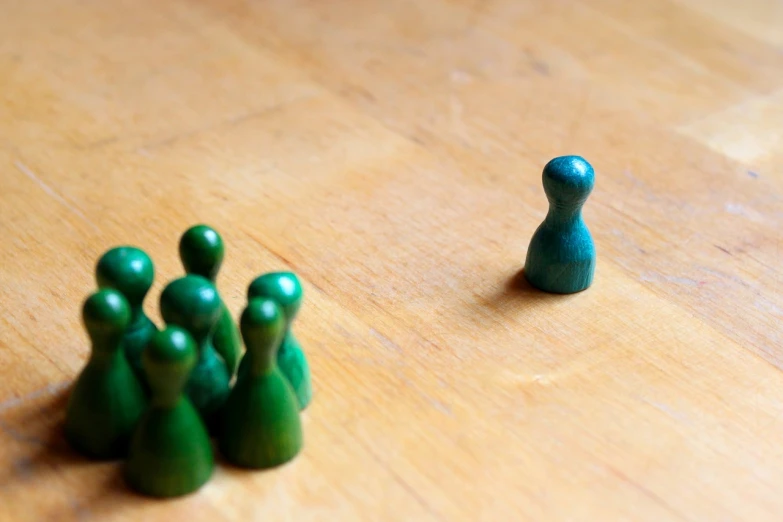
435	403
663	408
652	277
460	76
646	492
723	249
98	144
441	407
385	341
18	436
397	478
24	169
23	467
230	122
288	263
540	67
736	209
80	510
722	275
51	389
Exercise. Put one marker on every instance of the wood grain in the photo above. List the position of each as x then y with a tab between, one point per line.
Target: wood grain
390	153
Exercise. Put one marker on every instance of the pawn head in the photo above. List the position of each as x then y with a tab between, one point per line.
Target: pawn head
263	325
568	180
106	315
168	360
128	270
201	251
191	302
283	287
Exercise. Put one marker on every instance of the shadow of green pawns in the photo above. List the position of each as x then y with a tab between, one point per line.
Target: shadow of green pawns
154	399
32	429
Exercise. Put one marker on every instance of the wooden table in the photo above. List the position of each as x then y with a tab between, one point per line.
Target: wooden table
390	153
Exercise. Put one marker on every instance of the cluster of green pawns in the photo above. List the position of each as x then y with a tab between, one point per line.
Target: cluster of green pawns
153	397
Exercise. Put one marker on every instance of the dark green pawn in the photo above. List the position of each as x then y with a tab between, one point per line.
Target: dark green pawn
170	452
201	251
130	271
260	422
285	288
107	400
192	303
561	256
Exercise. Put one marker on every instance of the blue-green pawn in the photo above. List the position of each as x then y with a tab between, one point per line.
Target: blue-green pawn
130	271
561	256
192	303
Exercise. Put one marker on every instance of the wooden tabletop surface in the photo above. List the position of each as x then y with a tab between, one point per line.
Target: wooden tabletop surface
390	153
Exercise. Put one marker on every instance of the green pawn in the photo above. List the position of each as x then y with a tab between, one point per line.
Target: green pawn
107	400
561	255
285	288
260	421
130	271
170	453
192	303
201	251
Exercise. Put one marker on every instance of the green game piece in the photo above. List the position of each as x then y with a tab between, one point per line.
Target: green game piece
260	421
130	271
170	453
201	251
107	400
192	303
561	256
285	288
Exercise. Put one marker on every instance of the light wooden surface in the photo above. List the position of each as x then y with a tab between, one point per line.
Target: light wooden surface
390	153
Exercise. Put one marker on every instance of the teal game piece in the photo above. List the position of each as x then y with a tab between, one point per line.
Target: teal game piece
107	400
192	303
561	256
130	271
260	425
285	288
201	251
170	453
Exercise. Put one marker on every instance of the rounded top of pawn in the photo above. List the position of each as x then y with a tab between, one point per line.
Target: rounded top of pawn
263	325
568	180
283	287
168	360
106	314
127	269
191	302
201	250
